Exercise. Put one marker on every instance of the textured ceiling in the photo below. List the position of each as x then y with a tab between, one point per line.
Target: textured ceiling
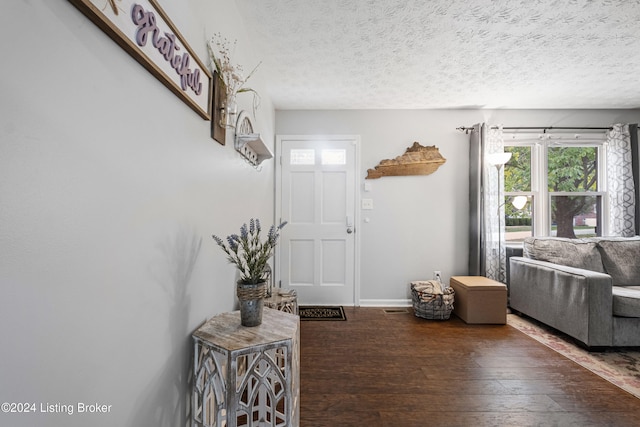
361	54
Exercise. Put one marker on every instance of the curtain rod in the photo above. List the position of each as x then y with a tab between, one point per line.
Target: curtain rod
544	129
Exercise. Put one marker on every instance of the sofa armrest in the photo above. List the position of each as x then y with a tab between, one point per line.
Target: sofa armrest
575	301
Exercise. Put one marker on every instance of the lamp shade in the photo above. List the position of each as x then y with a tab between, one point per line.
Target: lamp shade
519	202
498	159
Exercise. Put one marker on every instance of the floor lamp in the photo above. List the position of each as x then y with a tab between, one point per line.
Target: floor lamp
499	160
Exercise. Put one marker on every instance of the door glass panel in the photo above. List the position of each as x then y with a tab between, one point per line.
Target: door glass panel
303	156
334	157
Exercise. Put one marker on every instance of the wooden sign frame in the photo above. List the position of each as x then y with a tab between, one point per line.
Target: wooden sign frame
143	29
218	132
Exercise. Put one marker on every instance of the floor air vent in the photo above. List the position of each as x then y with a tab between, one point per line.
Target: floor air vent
396	311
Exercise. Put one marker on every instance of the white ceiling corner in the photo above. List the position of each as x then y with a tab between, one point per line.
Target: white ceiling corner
417	54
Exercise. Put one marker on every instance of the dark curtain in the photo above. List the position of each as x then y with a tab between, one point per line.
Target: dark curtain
476	246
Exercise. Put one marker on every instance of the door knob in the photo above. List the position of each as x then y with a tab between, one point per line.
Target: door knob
349	225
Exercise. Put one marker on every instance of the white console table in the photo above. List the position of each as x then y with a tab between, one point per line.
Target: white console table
247	376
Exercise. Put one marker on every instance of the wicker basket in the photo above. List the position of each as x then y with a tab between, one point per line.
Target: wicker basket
430	301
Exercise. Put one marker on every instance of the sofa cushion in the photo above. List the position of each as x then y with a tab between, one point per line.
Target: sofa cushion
626	301
577	253
621	259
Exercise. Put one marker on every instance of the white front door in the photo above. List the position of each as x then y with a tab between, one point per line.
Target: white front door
316	195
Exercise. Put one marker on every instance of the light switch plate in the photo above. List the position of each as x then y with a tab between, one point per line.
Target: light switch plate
367	204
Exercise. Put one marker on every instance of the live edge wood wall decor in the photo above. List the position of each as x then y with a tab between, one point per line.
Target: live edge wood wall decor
145	31
417	160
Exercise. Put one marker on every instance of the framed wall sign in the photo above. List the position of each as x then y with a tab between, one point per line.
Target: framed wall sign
218	132
145	31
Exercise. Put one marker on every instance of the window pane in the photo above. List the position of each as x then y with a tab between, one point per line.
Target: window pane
572	168
518	222
334	157
303	156
517	171
576	216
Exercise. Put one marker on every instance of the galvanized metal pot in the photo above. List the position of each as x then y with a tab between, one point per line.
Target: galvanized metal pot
251	297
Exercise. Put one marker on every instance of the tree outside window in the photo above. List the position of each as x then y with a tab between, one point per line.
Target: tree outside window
572	170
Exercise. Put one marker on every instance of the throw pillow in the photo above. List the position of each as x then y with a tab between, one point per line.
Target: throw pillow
577	253
621	260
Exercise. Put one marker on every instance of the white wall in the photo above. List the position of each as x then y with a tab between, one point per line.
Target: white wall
419	223
110	188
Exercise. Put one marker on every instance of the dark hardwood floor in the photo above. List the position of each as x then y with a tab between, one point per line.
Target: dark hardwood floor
383	368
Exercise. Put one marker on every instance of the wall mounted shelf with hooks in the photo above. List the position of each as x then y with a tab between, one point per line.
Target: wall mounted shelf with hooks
250	144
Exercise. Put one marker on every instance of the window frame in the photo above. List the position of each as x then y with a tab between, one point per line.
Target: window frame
539	191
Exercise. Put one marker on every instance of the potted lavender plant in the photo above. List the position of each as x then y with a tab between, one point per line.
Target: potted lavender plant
250	255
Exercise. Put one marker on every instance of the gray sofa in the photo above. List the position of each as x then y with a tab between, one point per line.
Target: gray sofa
587	288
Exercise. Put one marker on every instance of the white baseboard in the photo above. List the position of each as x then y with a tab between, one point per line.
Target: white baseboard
385	303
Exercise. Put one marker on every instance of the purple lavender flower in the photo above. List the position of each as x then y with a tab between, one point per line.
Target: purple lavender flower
218	241
233	241
248	252
271	237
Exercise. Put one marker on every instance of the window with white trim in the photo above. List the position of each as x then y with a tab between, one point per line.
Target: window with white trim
562	177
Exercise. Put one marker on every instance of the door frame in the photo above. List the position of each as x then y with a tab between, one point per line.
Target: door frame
355	139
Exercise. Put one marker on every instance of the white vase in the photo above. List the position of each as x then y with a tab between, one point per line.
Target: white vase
229	111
